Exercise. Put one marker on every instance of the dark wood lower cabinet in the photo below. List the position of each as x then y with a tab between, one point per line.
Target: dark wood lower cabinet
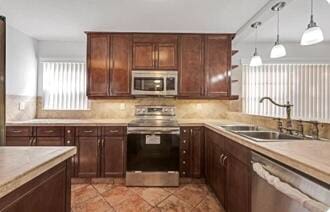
88	156
51	191
113	157
18	141
50	141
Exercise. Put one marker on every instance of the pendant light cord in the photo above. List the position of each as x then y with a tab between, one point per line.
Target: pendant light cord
278	26
312	11
255	41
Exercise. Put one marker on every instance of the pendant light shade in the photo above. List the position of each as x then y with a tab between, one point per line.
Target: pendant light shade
256	59
278	49
313	34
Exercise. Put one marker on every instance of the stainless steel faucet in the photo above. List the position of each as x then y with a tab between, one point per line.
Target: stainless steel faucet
288	107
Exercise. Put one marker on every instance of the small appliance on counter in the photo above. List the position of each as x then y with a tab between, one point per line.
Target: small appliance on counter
153	140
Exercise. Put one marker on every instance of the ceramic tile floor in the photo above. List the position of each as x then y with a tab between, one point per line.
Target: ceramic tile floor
118	197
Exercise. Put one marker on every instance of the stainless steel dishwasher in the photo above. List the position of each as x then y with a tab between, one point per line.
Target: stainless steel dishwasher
276	188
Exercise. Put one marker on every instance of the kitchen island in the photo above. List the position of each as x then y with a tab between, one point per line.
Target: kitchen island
35	178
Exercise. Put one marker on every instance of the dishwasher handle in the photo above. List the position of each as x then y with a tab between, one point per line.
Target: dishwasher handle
285	188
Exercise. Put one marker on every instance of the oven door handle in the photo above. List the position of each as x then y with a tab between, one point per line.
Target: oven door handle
153	132
288	190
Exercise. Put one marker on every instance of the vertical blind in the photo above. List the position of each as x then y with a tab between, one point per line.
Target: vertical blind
64	86
306	86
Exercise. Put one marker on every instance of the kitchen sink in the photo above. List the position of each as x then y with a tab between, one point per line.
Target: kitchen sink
241	127
267	136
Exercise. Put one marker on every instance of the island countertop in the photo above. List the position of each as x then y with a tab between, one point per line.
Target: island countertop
19	165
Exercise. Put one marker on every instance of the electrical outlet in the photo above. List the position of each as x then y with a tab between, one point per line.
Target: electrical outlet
21	106
122	106
199	106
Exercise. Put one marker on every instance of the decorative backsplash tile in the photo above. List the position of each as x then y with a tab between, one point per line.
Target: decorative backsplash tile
13	112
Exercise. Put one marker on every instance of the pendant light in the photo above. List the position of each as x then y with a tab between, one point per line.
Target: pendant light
278	49
256	59
313	34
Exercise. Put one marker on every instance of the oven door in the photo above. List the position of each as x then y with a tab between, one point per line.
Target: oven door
153	151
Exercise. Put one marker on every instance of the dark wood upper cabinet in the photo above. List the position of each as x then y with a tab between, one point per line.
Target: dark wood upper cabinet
113	157
98	54
191	68
143	55
152	52
217	65
120	71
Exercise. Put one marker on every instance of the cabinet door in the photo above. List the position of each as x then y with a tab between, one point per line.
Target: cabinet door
217	65
120	72
196	152
88	157
18	141
98	56
191	69
113	157
238	186
167	56
143	55
218	174
50	141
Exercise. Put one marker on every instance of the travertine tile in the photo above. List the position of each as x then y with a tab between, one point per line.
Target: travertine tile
152	195
209	204
82	194
96	204
101	188
117	195
133	203
173	203
193	194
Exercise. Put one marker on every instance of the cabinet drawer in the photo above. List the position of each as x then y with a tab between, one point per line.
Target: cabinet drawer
69	132
50	131
50	141
18	141
87	131
113	131
19	131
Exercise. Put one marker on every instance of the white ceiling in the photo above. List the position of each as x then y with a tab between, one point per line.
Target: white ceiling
68	19
293	21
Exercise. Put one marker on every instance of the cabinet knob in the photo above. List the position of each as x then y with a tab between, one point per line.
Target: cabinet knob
183	173
184	141
184	152
68	131
68	142
184	131
184	162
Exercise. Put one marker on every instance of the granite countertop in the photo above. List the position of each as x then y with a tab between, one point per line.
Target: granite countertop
309	156
19	165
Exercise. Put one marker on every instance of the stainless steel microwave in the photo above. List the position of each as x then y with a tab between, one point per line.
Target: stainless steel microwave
154	83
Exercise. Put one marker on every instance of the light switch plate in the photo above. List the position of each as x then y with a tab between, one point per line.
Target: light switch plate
122	106
21	106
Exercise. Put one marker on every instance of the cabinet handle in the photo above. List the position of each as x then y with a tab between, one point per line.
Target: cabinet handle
88	131
103	143
16	131
114	131
220	159
191	131
224	160
49	131
31	141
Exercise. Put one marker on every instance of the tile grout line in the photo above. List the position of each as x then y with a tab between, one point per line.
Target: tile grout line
100	194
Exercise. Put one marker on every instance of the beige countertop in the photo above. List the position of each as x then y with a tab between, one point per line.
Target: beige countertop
19	165
311	157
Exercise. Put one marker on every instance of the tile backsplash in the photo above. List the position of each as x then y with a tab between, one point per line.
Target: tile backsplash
122	109
13	110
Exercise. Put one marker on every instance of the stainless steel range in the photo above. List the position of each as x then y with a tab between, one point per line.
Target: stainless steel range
153	147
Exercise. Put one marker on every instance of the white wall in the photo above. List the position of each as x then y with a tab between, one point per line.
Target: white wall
295	54
59	51
21	63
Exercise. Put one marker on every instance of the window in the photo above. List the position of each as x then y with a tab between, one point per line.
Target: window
306	86
64	86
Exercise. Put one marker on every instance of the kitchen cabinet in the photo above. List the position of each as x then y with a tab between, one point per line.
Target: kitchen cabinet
113	157
151	52
98	70
191	152
120	64
191	68
228	171
217	65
